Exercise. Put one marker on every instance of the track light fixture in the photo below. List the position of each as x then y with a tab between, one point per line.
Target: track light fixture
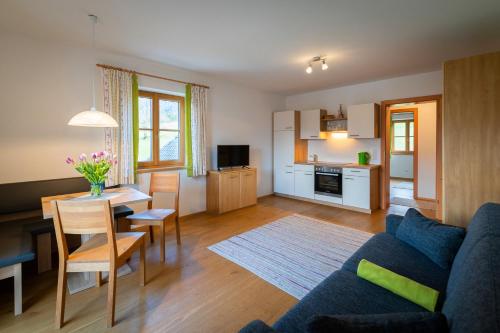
324	66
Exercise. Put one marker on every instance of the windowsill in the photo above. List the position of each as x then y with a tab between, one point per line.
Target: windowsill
160	168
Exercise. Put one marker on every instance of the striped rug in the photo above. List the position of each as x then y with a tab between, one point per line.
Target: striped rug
294	253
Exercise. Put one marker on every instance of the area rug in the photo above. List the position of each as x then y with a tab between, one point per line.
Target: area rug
294	253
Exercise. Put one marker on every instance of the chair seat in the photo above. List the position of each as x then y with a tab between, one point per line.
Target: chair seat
96	249
152	214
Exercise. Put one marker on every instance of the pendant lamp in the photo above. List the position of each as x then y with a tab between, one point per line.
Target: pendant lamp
92	117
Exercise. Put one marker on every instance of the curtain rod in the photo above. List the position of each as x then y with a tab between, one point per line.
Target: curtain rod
150	75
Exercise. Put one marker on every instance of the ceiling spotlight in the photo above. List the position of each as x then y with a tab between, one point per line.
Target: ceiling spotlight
324	66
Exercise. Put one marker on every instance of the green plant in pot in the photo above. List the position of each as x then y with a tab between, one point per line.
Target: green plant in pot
363	158
94	169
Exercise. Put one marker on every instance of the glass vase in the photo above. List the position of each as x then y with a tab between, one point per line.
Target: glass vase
96	189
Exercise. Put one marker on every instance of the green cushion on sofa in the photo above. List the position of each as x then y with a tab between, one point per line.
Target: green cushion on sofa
400	285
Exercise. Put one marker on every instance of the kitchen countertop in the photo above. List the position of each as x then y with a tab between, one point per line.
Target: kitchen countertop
341	165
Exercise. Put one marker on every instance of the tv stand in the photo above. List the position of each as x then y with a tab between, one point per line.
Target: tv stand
230	189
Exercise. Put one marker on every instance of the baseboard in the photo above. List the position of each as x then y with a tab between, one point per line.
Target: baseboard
319	202
426	199
403	179
191	216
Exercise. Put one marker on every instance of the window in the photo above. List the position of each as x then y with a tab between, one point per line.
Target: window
402	136
161	130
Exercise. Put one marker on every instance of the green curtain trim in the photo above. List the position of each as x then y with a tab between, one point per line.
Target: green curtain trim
135	121
400	285
187	134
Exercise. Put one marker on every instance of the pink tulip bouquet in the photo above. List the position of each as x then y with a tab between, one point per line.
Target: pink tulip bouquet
94	169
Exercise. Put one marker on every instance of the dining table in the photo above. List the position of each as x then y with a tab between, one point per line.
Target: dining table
117	197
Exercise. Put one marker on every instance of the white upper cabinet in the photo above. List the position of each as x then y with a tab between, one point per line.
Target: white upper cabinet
363	121
311	126
284	121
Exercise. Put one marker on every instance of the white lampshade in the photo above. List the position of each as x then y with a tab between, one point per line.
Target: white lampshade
93	118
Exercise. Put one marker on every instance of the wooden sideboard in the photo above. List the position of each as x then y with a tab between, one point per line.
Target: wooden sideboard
231	189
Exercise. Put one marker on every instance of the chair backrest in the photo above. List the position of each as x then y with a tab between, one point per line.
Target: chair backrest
165	183
83	217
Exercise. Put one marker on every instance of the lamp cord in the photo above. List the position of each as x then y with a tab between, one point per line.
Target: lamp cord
93	19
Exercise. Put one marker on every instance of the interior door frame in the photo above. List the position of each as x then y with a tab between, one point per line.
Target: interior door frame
385	135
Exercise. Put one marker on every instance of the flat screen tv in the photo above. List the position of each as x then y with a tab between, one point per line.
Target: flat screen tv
232	155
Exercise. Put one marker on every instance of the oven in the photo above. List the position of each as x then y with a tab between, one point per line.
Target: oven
328	180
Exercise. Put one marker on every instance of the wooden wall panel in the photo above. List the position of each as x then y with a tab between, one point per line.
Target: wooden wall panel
471	124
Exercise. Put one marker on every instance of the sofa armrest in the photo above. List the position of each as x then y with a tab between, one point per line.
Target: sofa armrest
392	223
257	326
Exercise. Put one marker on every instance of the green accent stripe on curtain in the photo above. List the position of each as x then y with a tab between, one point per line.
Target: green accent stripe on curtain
135	121
189	139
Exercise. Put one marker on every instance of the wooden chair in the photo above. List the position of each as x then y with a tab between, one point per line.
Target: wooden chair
105	251
160	183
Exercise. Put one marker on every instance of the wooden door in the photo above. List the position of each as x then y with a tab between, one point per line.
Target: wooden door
248	190
471	122
229	191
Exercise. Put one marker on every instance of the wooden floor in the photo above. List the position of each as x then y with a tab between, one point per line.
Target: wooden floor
401	193
195	291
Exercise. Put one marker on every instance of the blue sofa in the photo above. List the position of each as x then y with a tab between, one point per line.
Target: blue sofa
469	291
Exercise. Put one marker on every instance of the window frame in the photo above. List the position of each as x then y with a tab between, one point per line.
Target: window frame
156	163
407	136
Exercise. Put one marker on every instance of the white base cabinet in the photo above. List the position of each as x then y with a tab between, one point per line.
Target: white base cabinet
356	191
304	181
284	181
360	188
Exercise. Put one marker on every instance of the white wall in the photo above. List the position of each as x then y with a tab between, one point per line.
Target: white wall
402	166
427	150
345	150
426	164
44	84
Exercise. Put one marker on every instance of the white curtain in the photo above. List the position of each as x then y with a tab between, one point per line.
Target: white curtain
118	103
199	102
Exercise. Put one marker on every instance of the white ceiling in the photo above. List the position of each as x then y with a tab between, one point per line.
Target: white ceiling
267	43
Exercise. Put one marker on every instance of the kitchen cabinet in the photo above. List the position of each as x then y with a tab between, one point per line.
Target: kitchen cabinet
304	181
284	121
360	188
283	181
287	148
363	121
284	155
284	149
311	126
231	189
356	191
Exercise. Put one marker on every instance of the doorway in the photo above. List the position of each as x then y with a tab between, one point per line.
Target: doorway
411	155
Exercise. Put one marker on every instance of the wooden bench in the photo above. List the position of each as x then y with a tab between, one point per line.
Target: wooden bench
24	234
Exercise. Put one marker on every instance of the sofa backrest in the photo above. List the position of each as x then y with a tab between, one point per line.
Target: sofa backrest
25	196
473	294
